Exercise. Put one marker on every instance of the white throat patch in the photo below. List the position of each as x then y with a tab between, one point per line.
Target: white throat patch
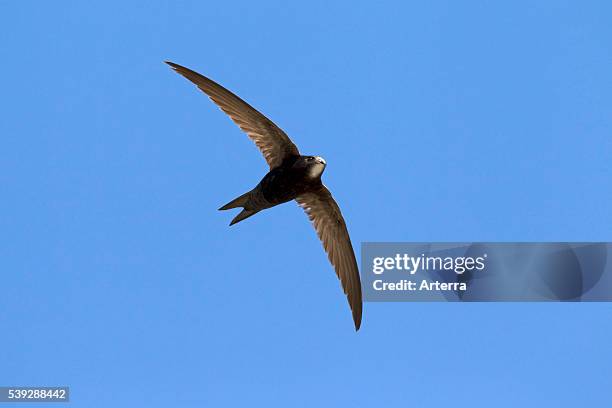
316	170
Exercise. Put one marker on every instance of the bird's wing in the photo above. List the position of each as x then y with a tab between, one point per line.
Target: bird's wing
327	220
274	144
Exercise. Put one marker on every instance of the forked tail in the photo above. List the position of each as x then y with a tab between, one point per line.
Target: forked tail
237	202
240	202
244	214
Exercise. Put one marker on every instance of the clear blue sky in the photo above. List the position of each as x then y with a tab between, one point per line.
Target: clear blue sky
440	121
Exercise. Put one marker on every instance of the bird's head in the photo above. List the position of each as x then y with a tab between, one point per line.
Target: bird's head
314	165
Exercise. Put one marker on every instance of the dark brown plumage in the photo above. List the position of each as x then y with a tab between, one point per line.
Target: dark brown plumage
291	176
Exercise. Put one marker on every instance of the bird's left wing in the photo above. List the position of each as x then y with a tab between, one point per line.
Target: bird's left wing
327	220
273	143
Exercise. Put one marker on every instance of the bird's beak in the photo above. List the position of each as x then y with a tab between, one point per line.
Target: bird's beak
321	160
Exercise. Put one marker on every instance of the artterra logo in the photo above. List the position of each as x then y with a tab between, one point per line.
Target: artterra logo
413	264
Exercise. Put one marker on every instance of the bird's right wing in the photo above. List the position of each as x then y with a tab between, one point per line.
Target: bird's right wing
273	143
327	220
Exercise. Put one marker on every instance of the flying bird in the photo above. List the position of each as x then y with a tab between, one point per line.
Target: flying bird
292	176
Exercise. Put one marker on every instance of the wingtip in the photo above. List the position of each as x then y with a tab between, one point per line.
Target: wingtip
172	64
357	316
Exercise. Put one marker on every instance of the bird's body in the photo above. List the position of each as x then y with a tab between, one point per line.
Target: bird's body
292	176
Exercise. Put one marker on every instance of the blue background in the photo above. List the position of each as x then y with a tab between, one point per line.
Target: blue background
440	121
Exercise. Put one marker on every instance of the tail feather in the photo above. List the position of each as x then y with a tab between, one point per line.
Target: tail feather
241	201
244	214
237	202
